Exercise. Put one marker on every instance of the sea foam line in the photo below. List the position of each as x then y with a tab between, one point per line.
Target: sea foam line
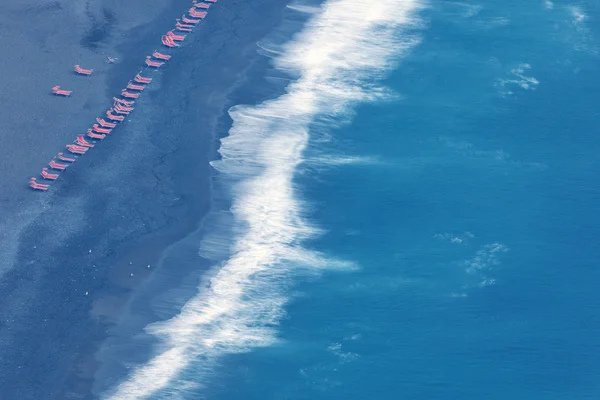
343	49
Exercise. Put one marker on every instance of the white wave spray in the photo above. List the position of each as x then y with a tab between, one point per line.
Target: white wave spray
344	48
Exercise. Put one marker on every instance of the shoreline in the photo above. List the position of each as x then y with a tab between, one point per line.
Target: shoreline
162	296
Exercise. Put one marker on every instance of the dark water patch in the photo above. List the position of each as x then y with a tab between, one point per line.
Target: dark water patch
40	9
100	30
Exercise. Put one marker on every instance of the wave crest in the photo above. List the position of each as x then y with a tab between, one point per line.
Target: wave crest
338	58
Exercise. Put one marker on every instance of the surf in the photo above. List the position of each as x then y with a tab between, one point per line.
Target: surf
337	61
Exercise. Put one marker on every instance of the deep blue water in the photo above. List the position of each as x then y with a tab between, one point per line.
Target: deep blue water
473	218
452	225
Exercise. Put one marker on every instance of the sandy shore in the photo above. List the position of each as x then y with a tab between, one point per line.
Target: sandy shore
43	40
58	35
72	258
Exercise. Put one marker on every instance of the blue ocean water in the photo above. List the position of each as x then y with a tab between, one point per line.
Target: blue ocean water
416	217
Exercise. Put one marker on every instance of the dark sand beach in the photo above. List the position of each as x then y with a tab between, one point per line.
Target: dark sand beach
71	258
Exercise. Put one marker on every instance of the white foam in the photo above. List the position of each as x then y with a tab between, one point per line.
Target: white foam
303	8
484	261
521	80
344	47
343	160
577	14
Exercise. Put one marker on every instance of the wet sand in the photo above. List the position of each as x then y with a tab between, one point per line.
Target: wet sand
72	257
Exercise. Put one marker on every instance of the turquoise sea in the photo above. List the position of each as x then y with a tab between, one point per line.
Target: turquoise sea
413	214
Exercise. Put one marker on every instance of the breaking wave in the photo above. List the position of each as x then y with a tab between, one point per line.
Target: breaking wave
339	56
